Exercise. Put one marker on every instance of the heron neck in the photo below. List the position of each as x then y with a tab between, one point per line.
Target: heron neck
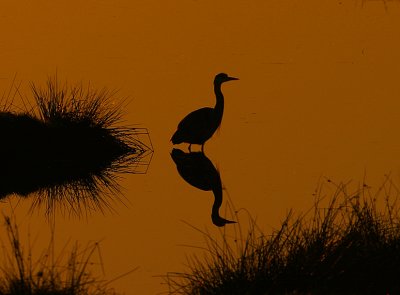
217	190
219	106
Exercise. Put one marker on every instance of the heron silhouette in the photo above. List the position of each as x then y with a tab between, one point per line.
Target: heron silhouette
197	170
198	126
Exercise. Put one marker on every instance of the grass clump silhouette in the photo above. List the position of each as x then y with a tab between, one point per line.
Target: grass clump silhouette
352	246
69	148
56	275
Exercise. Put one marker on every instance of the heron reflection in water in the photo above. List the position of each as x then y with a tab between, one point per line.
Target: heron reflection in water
196	169
198	126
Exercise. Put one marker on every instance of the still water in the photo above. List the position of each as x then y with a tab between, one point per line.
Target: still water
318	96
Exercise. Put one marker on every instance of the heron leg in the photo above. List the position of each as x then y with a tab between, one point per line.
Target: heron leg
190	147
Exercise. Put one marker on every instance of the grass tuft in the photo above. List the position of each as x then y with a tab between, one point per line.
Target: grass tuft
56	275
347	244
69	148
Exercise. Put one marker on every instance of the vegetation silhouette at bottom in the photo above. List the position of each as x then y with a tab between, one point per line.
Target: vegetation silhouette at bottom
348	243
68	148
67	274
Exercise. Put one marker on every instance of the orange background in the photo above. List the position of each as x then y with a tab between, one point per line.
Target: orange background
318	96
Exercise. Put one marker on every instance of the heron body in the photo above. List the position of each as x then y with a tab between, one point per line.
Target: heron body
198	126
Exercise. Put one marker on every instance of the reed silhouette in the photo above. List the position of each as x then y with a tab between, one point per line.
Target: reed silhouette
69	148
197	170
348	243
74	271
200	125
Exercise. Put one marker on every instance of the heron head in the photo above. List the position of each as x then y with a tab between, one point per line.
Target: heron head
222	77
219	221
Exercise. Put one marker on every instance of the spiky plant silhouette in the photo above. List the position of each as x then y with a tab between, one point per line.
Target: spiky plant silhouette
71	272
348	243
70	148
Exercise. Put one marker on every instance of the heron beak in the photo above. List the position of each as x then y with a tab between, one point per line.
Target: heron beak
232	78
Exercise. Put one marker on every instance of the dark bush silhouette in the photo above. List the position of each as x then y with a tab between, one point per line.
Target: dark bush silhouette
350	246
69	148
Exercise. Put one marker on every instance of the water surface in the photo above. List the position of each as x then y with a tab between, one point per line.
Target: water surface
318	96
